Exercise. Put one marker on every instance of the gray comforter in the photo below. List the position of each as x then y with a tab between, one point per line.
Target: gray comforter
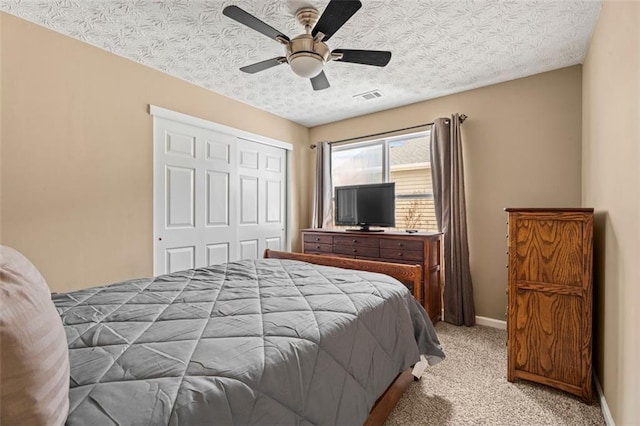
253	342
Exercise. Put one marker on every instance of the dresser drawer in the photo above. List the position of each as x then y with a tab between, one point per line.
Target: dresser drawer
357	250
392	253
401	244
318	238
317	248
356	241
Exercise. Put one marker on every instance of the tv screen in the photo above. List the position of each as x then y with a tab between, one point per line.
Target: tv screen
366	205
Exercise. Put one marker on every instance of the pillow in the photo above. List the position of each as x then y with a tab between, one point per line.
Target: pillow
34	359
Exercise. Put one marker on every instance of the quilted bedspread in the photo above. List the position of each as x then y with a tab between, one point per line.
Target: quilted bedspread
260	342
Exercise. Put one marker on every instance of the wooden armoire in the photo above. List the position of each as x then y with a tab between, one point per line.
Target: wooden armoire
550	287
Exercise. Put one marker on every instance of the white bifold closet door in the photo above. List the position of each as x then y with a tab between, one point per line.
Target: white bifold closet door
217	197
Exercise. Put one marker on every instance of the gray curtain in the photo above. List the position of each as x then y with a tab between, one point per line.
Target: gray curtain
451	214
322	210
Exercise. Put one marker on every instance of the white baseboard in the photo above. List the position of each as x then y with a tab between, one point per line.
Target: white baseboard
490	322
608	419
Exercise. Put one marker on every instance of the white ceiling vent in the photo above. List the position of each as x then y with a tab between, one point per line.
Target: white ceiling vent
367	96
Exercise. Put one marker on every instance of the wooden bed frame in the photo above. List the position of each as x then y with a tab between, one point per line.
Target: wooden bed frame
404	273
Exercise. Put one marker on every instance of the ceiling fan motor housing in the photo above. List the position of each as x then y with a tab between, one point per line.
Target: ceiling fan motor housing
305	45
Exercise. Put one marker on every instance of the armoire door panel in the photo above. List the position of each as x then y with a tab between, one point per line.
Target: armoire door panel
547	335
549	251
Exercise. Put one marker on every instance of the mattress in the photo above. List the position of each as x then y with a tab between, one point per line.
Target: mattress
252	342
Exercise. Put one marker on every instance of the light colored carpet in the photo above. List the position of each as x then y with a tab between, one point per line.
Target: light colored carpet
470	387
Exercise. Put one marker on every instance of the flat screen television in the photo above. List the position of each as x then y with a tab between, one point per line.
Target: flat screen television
366	206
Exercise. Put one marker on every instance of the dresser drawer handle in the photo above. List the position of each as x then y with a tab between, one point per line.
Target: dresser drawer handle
400	245
355	241
400	254
318	247
317	238
355	250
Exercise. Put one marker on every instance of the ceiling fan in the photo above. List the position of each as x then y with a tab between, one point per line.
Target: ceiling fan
307	53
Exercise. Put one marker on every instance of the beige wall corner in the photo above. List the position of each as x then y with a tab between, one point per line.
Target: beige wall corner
611	184
77	154
521	147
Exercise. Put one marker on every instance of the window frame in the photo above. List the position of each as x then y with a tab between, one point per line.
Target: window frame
366	144
386	161
384	142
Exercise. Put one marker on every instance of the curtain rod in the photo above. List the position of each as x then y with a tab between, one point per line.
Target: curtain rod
462	118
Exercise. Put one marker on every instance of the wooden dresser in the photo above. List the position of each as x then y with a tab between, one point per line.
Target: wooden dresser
549	313
397	247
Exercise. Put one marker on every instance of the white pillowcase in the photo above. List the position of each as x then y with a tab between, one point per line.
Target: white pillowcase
34	358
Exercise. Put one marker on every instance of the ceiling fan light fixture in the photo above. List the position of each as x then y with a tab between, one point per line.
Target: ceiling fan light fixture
306	64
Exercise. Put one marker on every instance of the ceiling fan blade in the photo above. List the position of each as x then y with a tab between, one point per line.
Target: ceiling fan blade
245	18
261	66
379	58
320	82
334	16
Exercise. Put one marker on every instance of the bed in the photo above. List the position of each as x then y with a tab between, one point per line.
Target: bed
278	340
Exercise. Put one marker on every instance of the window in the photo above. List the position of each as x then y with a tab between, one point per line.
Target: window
404	160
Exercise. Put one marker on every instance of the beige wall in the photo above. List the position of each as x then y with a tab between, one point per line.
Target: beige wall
521	149
77	154
611	184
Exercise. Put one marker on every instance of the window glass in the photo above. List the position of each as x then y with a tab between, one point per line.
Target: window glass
357	165
410	169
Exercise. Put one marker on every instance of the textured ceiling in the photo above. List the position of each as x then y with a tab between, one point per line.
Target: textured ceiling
439	47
